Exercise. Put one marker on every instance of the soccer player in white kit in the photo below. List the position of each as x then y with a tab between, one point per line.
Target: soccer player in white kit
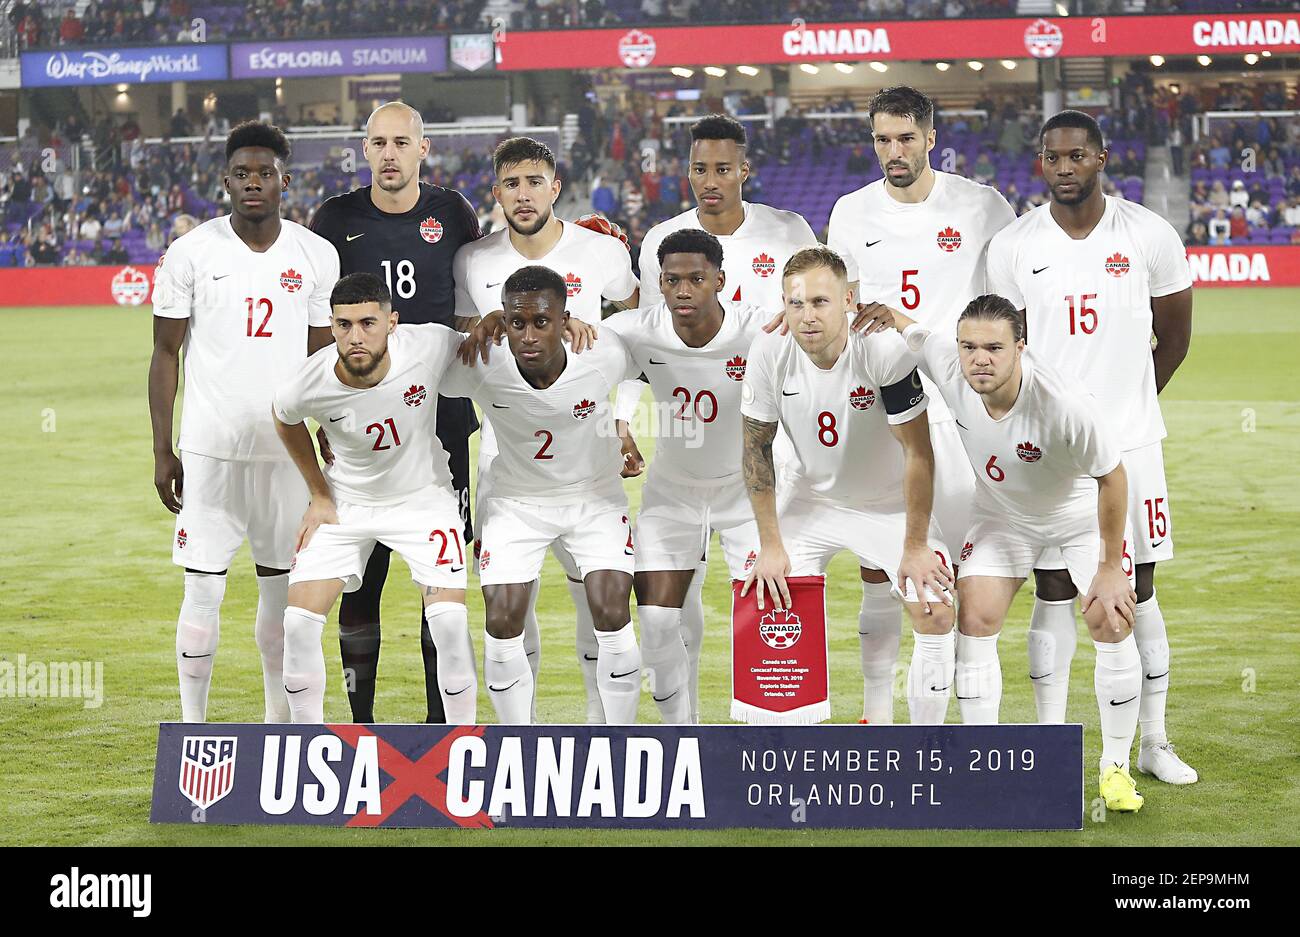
246	296
693	350
1050	476
594	266
862	473
756	241
376	390
1096	277
915	240
555	480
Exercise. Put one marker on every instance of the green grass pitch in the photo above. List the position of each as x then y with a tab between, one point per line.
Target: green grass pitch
87	575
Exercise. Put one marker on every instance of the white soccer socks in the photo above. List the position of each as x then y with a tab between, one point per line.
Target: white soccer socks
978	679
880	628
457	676
533	641
1153	647
197	631
618	674
1118	681
664	654
588	652
509	679
304	665
1053	635
268	632
692	627
929	679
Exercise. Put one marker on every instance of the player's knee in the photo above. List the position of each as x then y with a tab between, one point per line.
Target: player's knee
1054	585
609	616
1144	581
977	622
499	623
937	621
1100	629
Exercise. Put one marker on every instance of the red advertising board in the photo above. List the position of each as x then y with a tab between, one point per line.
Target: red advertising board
1245	266
972	38
124	285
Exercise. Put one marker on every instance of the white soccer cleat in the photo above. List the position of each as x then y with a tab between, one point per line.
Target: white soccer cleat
1163	763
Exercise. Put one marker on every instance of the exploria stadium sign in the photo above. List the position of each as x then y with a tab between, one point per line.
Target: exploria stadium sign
337	57
654	777
132	66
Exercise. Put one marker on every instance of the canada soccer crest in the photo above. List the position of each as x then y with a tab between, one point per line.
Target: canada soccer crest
967	549
130	286
291	280
572	284
207	768
1028	452
764	265
414	395
583	409
780	629
636	49
736	368
431	230
484	558
750	560
182	538
949	240
1043	40
861	398
1117	264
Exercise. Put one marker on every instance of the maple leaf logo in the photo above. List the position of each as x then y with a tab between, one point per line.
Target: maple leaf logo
780	629
1028	452
431	230
1117	264
583	409
291	280
736	368
414	396
182	538
764	265
966	550
949	239
572	284
861	398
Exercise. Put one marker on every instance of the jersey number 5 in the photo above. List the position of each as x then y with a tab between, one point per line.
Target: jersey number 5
260	304
911	288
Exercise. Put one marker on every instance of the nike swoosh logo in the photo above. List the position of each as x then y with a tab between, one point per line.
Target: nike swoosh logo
789	393
1042	676
222	277
1158	542
500	406
353	237
585	657
490	285
874	243
666	698
653	361
197	656
967	697
458	692
335	419
457	569
287	690
1040	270
941	689
620	676
1122	702
501	689
1159	675
961	424
531	654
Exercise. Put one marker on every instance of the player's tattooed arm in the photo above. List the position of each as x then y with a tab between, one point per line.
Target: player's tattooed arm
1171	321
756	461
466	323
920	564
773	564
630	303
164	376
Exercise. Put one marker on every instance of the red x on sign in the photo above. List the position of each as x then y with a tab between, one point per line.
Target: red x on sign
422	778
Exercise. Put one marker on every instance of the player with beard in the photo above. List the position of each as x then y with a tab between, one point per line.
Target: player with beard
1096	277
594	267
756	242
915	240
246	296
407	233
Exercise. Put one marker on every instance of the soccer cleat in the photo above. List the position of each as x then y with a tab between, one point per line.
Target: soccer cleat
1163	764
863	722
1119	791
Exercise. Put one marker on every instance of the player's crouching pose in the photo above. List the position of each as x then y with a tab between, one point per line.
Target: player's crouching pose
1049	475
376	392
554	479
693	351
862	474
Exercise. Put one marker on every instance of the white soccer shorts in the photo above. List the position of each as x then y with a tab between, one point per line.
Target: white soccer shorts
997	546
224	502
515	536
954	487
673	525
814	531
425	530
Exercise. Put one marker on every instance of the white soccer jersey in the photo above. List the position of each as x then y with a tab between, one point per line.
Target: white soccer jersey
1038	463
838	419
699	440
554	445
926	258
593	266
752	257
382	436
1088	303
249	314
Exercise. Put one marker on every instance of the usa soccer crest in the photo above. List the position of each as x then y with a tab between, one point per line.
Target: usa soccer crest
431	230
780	629
207	768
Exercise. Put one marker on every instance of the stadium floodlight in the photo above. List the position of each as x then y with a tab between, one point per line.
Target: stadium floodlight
943	66
976	65
1009	64
1204	60
713	71
844	67
880	66
122	89
749	71
1251	58
1157	60
682	72
809	68
1062	9
1267	54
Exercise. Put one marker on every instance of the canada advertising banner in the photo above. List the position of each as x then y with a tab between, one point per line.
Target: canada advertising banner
1024	777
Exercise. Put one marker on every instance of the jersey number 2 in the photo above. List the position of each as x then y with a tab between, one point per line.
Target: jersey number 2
262	331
